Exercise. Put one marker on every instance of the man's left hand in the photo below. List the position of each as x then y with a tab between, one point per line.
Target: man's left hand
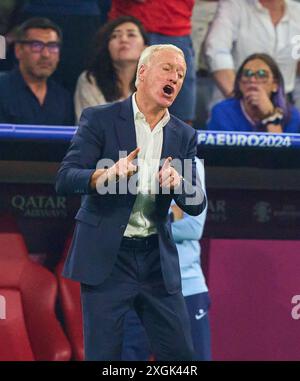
168	177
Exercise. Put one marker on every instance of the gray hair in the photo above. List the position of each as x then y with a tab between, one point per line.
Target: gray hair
148	53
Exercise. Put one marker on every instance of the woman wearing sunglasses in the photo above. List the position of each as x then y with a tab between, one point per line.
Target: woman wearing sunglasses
258	103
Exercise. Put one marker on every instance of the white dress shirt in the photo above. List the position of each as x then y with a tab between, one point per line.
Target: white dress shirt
244	27
150	143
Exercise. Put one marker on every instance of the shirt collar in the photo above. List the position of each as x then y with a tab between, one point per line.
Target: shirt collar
259	6
138	115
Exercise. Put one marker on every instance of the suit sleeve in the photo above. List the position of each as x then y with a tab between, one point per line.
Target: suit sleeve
80	162
189	196
191	227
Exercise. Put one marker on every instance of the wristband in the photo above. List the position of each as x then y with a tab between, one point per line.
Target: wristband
275	118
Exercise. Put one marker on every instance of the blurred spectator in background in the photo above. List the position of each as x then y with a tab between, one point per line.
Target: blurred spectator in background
187	231
27	95
79	20
244	27
167	22
111	73
259	102
203	13
104	6
9	10
6	11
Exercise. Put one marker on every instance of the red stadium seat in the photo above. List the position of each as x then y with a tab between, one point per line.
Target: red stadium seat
29	329
69	295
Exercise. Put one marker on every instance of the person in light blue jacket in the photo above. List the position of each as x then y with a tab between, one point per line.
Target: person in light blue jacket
187	231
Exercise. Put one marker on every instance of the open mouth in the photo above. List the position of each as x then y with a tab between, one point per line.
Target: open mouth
124	48
168	89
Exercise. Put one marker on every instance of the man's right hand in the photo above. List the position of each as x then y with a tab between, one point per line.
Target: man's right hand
123	168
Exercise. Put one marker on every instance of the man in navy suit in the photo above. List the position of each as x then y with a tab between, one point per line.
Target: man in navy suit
122	252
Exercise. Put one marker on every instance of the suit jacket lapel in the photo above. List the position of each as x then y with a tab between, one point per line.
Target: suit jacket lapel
125	127
170	141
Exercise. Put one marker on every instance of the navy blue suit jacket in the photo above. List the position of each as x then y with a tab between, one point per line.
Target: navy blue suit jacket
102	219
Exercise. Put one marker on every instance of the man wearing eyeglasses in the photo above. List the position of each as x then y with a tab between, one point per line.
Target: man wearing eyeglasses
27	95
